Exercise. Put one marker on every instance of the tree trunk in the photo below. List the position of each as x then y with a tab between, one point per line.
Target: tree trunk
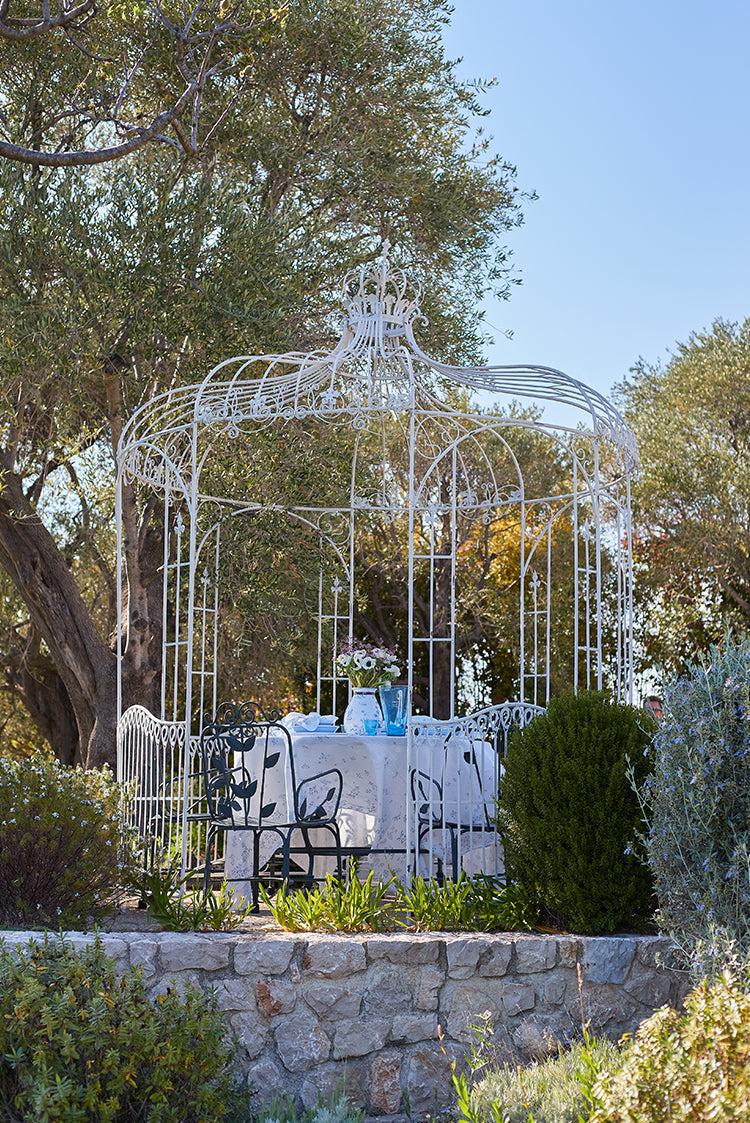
32	677
84	662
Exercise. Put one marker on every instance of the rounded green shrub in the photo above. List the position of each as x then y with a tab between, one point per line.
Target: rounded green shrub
569	815
61	843
78	1044
693	1068
697	803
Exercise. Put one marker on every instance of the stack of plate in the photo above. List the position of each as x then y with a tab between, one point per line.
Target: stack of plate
327	724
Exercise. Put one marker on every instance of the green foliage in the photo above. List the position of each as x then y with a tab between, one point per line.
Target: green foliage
481	905
478	905
62	854
493	906
345	124
80	1045
435	906
568	814
172	906
340	906
549	1091
143	58
697	803
691	418
337	1111
693	1068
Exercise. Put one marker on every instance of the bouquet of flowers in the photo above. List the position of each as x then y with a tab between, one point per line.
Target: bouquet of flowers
366	664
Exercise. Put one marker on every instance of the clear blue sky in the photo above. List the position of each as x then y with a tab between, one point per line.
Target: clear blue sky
631	122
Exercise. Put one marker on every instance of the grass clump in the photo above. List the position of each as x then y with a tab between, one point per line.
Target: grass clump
171	905
62	855
550	1091
79	1044
350	905
338	1111
569	816
483	904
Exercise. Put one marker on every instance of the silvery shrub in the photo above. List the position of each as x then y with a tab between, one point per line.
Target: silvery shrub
696	803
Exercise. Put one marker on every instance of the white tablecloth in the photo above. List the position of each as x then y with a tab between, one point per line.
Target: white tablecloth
373	809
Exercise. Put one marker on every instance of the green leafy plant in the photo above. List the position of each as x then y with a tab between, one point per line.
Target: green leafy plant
63	848
482	905
589	1067
468	1109
172	907
690	1068
340	906
479	904
78	1044
696	803
433	905
569	816
548	1091
494	906
339	1110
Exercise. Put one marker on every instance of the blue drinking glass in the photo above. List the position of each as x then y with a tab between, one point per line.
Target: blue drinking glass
393	705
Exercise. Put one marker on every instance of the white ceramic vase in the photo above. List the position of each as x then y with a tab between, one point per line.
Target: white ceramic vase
363	705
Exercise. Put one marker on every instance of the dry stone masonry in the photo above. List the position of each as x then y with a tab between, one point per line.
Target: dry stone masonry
385	1015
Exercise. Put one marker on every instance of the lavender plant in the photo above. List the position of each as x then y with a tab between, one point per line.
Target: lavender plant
696	803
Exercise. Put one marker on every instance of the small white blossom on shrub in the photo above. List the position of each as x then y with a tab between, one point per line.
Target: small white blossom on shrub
62	843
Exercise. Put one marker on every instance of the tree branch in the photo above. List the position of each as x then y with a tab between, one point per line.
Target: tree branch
102	155
17	30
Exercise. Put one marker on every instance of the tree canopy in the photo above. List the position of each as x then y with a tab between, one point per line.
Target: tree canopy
691	418
110	78
120	280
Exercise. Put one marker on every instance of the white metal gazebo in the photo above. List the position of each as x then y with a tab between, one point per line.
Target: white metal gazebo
450	481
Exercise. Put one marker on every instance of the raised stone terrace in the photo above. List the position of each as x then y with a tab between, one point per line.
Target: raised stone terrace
386	1014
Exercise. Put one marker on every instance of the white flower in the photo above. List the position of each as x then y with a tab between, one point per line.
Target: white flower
368	663
359	658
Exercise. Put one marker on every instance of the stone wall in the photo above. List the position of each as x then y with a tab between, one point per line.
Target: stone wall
387	1013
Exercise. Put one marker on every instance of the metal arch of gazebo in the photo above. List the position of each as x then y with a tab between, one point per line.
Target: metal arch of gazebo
378	382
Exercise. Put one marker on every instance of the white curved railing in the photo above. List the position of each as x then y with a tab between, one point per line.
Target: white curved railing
163	795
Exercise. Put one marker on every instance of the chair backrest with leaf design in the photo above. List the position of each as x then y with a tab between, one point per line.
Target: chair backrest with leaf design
243	758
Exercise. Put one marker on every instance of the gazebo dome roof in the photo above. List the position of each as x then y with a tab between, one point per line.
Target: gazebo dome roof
376	367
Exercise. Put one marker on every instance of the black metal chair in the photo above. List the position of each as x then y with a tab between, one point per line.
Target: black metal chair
245	755
435	815
479	732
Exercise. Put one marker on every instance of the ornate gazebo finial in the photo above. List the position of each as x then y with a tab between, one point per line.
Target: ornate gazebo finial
382	303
